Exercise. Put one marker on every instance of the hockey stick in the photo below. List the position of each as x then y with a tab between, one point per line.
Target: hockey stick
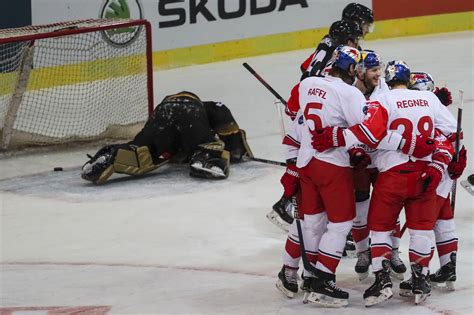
306	264
282	123
259	78
267	161
275	93
457	144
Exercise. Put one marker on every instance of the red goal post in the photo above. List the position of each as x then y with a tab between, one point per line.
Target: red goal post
74	81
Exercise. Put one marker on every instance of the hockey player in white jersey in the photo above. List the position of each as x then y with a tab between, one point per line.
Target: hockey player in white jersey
312	226
445	234
370	83
407	178
326	178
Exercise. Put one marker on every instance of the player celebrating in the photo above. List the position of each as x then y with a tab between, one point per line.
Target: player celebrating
340	32
313	226
369	82
182	127
444	230
407	179
326	178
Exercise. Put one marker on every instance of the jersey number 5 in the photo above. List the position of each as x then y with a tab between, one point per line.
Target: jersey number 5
425	126
318	124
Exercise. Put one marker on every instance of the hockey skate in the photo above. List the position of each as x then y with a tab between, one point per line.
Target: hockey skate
381	289
362	265
421	287
324	291
280	215
349	248
288	281
406	288
445	277
397	267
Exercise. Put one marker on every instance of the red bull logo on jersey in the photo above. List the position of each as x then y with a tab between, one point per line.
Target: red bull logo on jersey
317	92
412	103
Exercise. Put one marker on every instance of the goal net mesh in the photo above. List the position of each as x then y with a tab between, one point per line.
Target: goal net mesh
75	87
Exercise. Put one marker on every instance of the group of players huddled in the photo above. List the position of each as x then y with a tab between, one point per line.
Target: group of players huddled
352	129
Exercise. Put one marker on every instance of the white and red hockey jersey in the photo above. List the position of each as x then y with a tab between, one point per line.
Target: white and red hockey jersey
292	140
327	101
406	113
445	147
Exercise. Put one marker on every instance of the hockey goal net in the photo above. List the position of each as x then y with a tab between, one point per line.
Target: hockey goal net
74	81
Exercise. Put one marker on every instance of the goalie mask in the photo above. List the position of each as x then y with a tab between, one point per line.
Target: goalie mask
421	81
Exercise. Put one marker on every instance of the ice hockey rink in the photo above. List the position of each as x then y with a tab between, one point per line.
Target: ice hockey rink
171	244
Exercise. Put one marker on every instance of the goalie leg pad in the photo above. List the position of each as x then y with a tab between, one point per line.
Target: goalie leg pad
123	158
236	144
135	161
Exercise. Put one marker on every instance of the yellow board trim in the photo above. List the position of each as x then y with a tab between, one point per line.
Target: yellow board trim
43	78
123	66
263	45
422	25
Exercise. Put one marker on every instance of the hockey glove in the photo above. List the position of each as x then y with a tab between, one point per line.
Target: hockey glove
456	168
419	146
327	138
359	159
431	177
444	96
290	180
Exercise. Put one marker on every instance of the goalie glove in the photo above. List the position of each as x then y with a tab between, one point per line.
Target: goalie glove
359	159
419	146
290	179
327	138
456	168
444	96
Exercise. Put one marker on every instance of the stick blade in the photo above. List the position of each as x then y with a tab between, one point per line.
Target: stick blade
470	188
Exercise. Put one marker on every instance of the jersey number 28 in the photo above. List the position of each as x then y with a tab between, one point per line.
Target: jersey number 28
424	126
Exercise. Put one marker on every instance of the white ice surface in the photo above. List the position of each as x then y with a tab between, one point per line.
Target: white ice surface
170	244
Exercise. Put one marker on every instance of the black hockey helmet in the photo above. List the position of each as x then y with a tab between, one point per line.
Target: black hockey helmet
343	30
358	13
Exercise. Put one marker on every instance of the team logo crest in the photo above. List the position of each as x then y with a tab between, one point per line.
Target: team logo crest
121	9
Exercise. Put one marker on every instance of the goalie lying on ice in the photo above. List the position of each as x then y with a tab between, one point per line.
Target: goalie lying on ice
182	128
